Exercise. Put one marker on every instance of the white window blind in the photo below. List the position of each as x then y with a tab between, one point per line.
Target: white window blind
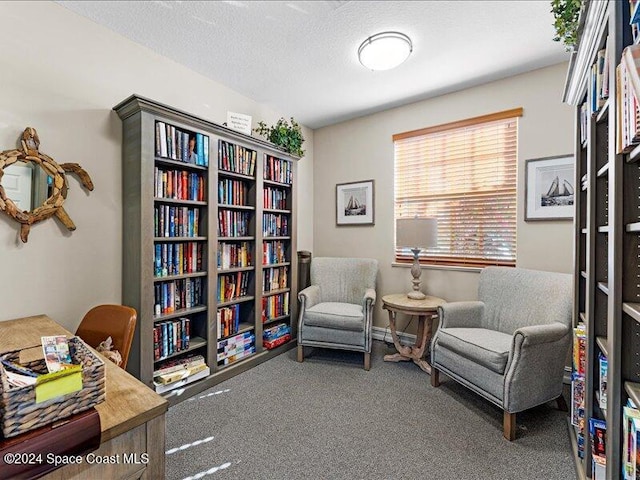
464	175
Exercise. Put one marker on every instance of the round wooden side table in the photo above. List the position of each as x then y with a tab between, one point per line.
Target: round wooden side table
426	310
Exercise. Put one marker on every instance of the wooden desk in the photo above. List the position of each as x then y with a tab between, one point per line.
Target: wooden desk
426	310
132	416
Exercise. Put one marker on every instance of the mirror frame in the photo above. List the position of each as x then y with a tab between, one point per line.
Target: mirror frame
53	205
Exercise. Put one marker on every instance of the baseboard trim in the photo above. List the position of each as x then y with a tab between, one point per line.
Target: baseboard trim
379	333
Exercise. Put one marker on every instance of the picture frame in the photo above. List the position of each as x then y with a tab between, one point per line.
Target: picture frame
549	188
355	203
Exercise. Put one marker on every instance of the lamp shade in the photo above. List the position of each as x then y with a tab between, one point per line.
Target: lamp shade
417	232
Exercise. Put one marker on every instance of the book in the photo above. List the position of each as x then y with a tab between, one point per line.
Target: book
629	415
160	388
577	400
179	364
602	397
598	434
167	378
56	352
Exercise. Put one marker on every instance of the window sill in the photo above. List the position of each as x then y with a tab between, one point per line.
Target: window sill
439	267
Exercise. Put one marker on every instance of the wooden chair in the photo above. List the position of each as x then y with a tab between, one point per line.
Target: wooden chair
115	321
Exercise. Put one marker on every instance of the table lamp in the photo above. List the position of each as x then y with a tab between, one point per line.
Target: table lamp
416	233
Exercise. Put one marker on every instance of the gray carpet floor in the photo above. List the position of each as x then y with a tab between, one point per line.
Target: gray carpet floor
327	418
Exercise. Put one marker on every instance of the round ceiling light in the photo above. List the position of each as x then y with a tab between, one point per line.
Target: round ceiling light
385	50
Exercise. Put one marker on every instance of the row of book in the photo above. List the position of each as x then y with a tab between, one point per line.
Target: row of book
628	90
232	192
172	221
275	279
277	170
578	393
232	223
179	185
275	225
274	252
228	320
235	348
178	258
181	145
171	336
275	198
631	441
275	306
234	255
170	297
275	336
177	373
233	285
236	158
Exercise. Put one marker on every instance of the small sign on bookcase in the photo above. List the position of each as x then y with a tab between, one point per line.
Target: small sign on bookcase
239	122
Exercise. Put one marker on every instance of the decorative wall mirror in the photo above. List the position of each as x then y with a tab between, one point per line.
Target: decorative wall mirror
33	186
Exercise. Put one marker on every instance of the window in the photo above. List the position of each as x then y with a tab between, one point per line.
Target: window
464	175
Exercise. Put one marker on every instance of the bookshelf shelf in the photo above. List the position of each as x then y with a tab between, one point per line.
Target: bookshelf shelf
275	292
275	210
633	310
632	227
603	229
236	269
603	114
276	265
602	345
583	317
179	239
633	391
634	156
276	319
583	274
236	207
239	176
175	201
179	277
194	344
182	165
198	197
276	184
180	313
603	287
584	230
602	173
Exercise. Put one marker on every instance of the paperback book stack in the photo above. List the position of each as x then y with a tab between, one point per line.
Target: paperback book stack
577	385
179	372
276	336
630	439
235	348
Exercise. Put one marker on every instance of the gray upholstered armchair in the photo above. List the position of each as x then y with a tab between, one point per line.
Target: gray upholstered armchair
512	344
336	310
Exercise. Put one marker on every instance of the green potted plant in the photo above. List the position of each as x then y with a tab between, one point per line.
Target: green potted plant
565	15
288	136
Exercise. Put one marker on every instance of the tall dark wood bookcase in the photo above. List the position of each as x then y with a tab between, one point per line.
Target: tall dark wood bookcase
607	216
242	212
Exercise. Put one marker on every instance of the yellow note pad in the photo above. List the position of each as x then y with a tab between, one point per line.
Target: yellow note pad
60	383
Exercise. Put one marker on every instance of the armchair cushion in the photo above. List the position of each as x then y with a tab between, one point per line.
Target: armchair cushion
336	315
488	348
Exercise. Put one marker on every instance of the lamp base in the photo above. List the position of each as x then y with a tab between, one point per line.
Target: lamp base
416	295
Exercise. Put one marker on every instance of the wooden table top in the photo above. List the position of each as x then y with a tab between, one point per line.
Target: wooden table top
129	403
400	301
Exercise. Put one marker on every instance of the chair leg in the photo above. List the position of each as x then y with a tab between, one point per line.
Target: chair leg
300	353
562	404
435	377
509	426
367	361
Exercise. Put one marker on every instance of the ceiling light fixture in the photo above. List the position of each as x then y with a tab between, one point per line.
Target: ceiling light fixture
384	51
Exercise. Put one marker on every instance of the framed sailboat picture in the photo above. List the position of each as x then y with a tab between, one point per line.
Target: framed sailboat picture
354	203
549	188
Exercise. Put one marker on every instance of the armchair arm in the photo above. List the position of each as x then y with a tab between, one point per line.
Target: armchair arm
369	299
537	334
535	367
461	314
309	296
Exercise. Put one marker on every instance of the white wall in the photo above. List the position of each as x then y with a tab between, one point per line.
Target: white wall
62	74
362	149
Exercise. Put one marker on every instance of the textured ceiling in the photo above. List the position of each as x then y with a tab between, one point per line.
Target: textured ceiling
300	58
